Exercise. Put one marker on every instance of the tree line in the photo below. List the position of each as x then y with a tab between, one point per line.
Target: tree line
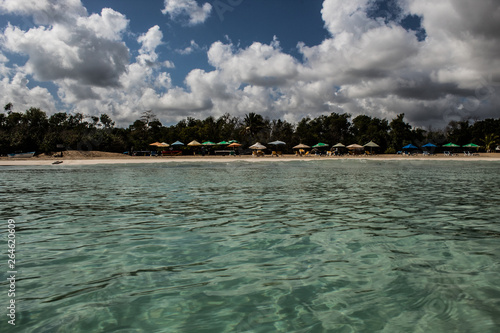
33	130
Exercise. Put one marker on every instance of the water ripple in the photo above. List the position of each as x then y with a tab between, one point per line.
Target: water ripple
316	246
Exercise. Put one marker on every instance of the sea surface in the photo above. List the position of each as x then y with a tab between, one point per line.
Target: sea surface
297	246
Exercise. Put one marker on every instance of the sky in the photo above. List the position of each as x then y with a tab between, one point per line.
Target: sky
434	61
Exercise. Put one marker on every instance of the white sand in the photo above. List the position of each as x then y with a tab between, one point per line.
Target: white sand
225	159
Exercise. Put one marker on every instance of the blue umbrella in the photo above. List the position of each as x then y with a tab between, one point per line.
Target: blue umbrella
277	143
177	143
429	145
410	146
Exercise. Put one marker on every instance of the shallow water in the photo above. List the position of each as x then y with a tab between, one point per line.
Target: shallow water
315	246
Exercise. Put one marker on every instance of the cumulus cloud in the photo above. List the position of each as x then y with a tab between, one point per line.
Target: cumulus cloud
88	50
15	90
45	12
181	8
368	64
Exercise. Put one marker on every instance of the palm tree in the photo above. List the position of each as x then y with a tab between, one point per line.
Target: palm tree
252	124
489	140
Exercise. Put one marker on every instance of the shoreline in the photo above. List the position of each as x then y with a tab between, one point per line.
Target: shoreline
35	161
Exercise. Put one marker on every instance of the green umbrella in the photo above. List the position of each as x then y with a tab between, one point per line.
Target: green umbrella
451	145
320	145
224	143
470	145
233	141
208	143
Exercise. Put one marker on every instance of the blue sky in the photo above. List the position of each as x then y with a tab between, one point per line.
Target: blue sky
285	59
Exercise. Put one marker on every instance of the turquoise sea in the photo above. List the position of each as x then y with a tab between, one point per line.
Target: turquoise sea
298	246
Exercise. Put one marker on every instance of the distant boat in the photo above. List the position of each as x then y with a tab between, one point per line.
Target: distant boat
22	155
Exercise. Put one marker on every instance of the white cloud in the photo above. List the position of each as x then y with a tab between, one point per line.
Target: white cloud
366	65
45	12
15	90
80	51
190	49
196	14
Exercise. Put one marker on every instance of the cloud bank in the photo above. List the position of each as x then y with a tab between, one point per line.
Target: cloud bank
369	64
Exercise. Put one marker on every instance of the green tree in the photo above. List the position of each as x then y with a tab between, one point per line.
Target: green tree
489	141
253	124
400	133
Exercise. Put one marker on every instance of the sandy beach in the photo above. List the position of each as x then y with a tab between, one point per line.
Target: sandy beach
92	158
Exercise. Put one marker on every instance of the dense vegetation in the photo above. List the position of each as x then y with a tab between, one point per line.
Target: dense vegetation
35	131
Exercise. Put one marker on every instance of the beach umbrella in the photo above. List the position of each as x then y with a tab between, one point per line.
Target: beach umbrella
429	145
320	145
372	144
451	145
233	141
258	146
223	143
163	144
208	143
177	143
471	145
338	145
301	146
194	143
277	142
354	146
234	145
410	146
155	143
